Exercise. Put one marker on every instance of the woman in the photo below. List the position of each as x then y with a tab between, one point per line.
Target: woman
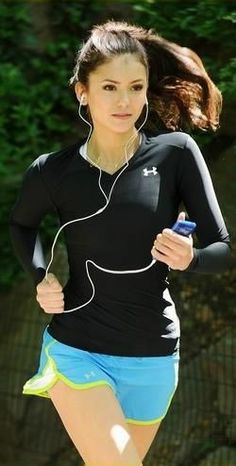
109	358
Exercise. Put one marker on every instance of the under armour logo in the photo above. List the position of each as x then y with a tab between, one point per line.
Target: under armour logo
147	172
89	374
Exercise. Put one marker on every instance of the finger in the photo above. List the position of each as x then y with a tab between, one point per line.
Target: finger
166	258
177	245
50	296
160	247
52	282
50	278
160	257
45	287
54	286
170	236
181	216
46	302
45	305
49	310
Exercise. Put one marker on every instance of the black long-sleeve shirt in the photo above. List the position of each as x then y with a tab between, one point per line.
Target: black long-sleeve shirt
132	314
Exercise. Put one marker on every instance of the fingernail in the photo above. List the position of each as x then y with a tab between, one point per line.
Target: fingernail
167	231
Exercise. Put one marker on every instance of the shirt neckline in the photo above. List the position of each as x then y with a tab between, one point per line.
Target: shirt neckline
83	154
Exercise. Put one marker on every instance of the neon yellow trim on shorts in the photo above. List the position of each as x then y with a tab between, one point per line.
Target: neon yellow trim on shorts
50	372
144	423
153	421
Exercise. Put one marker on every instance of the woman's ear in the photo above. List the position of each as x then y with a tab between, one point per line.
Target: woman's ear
80	93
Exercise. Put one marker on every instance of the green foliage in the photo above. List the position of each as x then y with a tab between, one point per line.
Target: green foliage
39	112
206	26
227	77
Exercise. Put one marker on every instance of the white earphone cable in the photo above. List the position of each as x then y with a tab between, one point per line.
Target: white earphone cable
99	211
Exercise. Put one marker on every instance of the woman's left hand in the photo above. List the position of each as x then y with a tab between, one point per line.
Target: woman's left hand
173	249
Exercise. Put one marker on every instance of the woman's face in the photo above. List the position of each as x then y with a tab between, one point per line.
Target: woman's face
116	93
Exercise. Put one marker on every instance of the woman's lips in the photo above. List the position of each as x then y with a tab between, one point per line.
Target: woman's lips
122	116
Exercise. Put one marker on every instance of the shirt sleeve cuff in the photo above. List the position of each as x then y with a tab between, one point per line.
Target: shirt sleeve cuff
39	275
194	262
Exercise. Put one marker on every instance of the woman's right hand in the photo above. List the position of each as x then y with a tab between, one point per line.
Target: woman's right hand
50	295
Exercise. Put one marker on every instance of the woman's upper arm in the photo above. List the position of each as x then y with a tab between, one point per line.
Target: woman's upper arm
198	195
33	201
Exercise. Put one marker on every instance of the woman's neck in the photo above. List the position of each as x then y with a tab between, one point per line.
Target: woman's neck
110	150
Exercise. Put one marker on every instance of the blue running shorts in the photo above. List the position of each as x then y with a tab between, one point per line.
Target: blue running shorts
144	386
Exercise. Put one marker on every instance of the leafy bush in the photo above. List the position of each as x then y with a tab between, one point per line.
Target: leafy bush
39	112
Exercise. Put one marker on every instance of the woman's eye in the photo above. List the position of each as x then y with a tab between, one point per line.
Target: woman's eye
108	87
111	87
138	87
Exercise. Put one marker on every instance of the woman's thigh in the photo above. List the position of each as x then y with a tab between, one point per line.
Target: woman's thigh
143	436
95	422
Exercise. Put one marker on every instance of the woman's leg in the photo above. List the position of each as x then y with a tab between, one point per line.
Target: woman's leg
143	437
95	422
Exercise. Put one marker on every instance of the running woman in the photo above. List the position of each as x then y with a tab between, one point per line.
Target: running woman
110	354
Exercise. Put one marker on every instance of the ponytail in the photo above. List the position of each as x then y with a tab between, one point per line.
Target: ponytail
181	94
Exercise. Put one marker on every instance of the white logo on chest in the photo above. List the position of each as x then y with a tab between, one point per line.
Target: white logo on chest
147	172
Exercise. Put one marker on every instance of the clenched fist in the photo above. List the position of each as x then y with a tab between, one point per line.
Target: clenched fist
50	295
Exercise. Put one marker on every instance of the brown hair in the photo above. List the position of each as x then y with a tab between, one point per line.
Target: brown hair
180	93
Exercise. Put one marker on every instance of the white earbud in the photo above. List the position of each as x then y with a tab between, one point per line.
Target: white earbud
146	100
83	100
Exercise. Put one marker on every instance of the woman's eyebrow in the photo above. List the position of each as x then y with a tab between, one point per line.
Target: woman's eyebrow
117	82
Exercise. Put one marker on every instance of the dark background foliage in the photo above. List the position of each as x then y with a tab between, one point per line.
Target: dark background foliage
39	40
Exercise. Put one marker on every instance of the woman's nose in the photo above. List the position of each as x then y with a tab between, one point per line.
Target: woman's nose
123	99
